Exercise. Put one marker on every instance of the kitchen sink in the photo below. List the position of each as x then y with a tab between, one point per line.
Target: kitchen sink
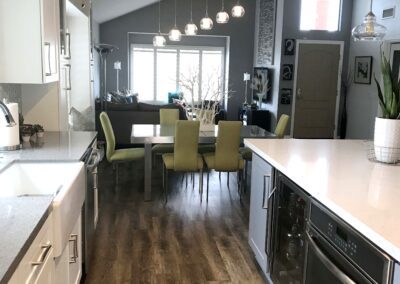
64	180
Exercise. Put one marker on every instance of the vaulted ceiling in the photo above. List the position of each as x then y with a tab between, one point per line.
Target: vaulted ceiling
105	10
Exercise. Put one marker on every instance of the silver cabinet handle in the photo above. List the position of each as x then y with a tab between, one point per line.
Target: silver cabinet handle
74	238
67	53
298	93
67	77
263	205
328	263
45	251
48	47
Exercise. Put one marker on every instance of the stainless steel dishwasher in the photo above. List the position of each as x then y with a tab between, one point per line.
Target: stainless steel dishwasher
336	253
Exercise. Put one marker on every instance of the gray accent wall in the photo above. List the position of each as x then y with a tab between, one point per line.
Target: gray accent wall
239	31
362	103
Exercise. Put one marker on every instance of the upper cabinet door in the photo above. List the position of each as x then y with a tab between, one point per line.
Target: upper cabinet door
29	37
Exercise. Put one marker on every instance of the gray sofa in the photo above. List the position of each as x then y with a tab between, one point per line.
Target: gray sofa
122	117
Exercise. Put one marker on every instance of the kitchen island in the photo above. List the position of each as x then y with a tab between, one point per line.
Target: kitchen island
22	217
337	174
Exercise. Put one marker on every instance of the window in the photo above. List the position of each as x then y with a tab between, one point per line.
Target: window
320	15
155	72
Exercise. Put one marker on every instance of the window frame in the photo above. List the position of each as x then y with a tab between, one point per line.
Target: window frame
339	23
178	48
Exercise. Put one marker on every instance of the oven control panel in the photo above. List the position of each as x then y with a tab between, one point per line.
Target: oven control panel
341	239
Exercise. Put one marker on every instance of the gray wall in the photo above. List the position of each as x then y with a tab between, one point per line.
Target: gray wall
291	29
240	31
362	99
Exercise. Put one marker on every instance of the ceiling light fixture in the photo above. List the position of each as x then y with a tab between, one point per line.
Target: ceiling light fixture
238	10
191	28
206	23
175	34
159	39
222	16
369	29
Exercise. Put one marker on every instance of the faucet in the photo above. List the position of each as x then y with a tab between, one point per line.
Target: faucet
7	115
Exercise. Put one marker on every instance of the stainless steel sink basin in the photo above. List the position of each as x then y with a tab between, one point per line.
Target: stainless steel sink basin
64	180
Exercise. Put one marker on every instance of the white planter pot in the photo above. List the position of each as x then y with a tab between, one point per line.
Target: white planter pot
387	140
26	138
40	134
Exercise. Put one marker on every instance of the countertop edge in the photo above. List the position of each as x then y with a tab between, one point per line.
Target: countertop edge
378	240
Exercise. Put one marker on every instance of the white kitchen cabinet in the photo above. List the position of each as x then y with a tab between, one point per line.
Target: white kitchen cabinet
261	182
396	276
69	263
37	266
29	36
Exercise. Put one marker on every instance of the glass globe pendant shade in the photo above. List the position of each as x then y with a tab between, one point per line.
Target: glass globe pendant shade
175	34
222	17
206	23
159	40
237	11
191	29
369	30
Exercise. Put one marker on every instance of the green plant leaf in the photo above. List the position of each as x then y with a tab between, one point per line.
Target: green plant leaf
381	100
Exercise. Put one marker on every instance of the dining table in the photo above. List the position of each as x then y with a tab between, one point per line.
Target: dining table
150	134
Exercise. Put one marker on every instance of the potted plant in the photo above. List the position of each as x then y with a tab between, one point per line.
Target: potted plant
39	130
26	131
387	127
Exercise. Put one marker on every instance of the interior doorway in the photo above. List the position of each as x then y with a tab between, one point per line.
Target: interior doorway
315	108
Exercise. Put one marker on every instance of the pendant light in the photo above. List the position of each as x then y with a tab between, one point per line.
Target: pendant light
237	10
191	28
369	30
159	39
206	23
175	34
222	16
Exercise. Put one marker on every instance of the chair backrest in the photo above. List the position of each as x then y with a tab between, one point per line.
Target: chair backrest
186	145
168	116
227	146
281	126
108	133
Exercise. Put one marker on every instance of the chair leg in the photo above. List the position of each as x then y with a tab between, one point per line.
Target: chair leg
166	186
201	184
208	182
186	179
116	174
192	180
246	173
227	179
220	177
240	173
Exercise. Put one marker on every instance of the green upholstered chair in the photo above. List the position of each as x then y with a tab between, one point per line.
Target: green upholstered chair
226	157
185	157
247	154
117	156
167	117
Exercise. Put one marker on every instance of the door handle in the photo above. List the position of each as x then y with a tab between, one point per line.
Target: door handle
74	239
327	262
67	46
298	93
67	77
264	191
48	47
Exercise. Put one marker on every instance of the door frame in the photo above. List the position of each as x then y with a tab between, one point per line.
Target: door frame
304	41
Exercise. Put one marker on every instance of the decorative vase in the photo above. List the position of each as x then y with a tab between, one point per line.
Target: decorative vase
387	140
207	127
260	97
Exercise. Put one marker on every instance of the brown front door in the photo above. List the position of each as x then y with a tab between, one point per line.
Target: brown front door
316	90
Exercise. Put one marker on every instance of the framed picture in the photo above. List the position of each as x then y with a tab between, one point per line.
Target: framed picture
261	83
362	69
265	32
287	72
286	95
290	46
395	59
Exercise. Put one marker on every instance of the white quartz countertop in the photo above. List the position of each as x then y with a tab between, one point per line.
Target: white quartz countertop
338	174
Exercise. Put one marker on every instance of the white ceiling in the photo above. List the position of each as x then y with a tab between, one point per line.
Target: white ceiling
104	10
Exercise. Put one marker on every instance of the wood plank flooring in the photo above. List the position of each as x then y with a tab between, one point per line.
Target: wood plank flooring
180	242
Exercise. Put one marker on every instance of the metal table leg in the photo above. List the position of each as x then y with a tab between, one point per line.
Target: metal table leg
147	171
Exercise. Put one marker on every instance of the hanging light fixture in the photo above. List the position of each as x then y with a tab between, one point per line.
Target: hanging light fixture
175	34
237	10
369	29
206	23
159	39
191	28
222	16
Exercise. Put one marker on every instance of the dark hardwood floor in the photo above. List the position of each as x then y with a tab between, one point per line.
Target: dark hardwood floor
180	242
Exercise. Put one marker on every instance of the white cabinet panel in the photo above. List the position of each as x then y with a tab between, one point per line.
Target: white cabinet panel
29	36
260	186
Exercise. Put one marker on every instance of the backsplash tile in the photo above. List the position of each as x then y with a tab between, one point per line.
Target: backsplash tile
11	92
